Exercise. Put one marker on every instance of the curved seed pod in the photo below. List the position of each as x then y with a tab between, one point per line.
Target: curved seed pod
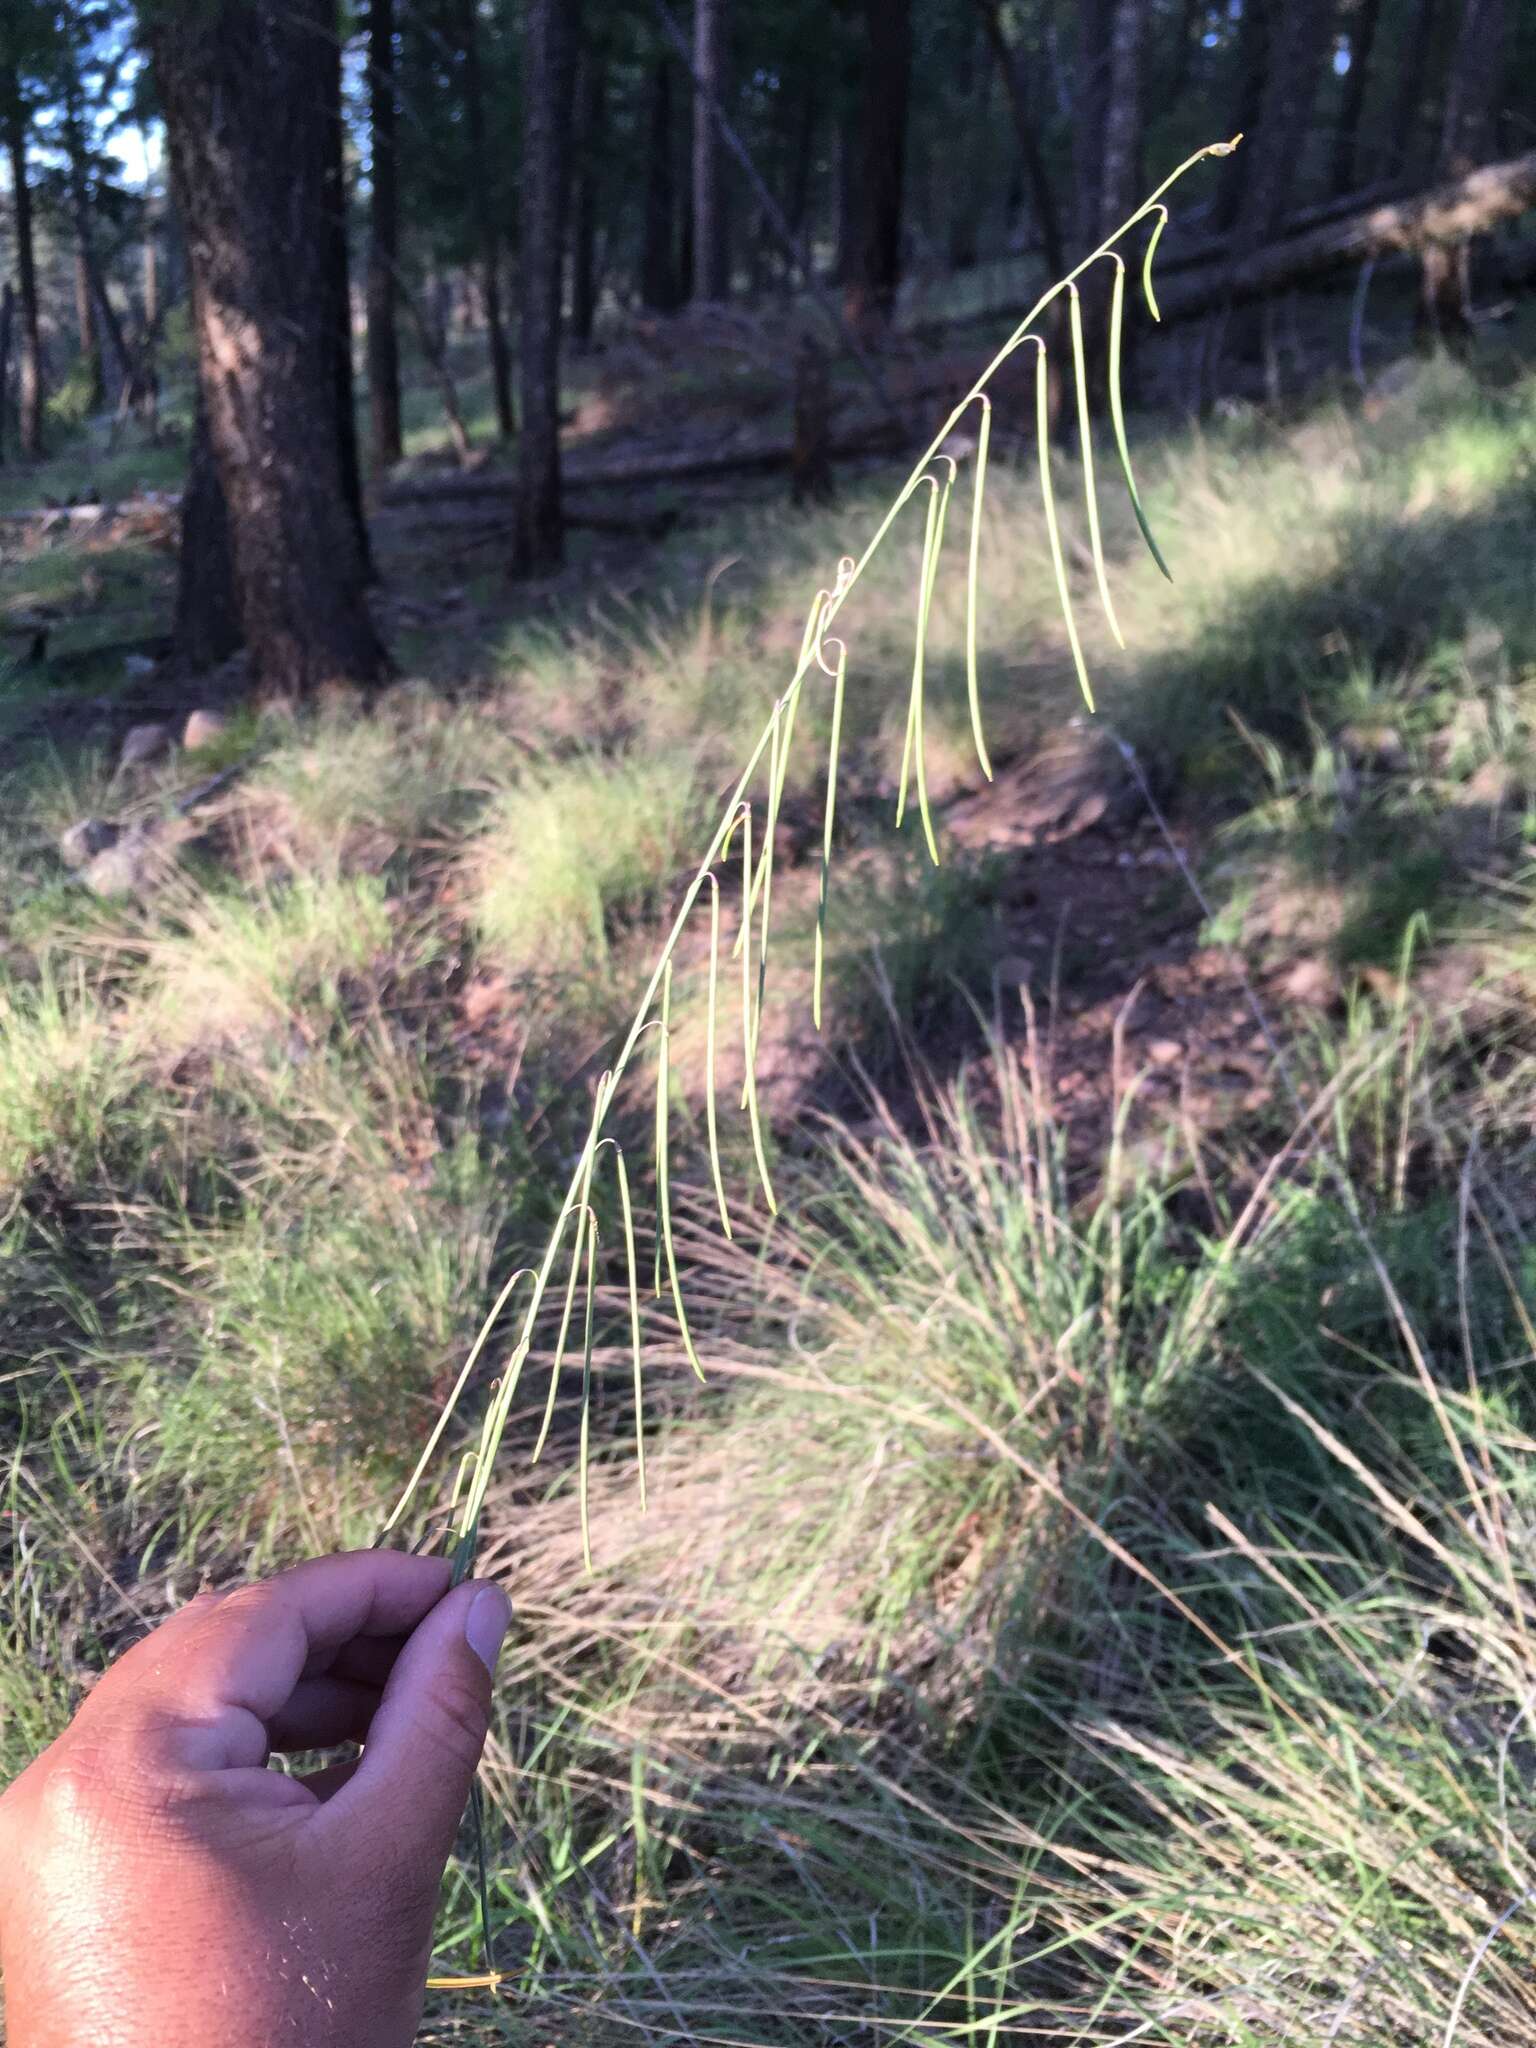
972	686
1117	415
833	746
913	756
1146	262
711	1116
1085	438
663	1178
634	1310
583	1461
1048	500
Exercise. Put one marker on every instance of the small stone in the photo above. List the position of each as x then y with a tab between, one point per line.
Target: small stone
130	865
143	743
1312	982
81	842
1165	1052
203	729
1495	784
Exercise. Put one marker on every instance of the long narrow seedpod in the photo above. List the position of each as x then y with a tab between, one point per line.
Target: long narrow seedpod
663	1175
711	1115
833	745
1085	438
748	1034
585	1438
628	1215
584	1226
973	580
1146	262
913	754
1117	413
1048	500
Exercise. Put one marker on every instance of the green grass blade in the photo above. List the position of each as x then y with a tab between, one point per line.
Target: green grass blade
663	1177
1048	500
1146	262
1117	414
628	1215
833	746
1085	438
972	591
711	1114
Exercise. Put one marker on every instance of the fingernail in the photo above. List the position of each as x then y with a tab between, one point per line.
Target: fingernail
487	1622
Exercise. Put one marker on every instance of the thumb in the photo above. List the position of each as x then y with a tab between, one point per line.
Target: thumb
408	1793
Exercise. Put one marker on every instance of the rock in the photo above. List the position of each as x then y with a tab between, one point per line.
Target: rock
1375	746
80	843
1495	784
131	865
143	743
204	729
1165	1052
1311	982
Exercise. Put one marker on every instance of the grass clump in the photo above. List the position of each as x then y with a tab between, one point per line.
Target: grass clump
575	849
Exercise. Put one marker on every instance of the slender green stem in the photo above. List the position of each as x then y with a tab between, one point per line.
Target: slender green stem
634	1311
663	1176
1117	415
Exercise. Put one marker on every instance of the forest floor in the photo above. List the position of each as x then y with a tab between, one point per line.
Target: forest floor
1091	1597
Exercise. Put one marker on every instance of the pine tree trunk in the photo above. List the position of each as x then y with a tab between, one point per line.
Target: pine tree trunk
486	236
1253	40
1297	47
207	629
29	408
658	253
248	92
1466	136
1408	124
592	97
339	279
1346	143
7	323
870	298
1089	104
383	240
1120	170
711	259
1042	194
89	351
549	36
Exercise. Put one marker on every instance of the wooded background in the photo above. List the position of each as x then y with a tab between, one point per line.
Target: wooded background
298	197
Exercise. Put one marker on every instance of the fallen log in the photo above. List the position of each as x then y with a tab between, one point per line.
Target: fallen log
1448	214
744	459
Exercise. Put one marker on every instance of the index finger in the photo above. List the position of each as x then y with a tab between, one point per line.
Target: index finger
226	1668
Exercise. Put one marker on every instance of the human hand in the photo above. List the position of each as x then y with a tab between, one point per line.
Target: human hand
160	1888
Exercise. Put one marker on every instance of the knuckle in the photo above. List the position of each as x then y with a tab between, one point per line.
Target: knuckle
455	1713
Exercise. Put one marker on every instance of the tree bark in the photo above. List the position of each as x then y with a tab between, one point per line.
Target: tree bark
1253	38
1296	43
383	240
89	348
1120	171
7	322
1042	195
871	291
549	35
1408	108
207	628
658	251
1089	104
1346	142
711	255
334	216
592	96
487	237
29	408
248	91
1445	283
